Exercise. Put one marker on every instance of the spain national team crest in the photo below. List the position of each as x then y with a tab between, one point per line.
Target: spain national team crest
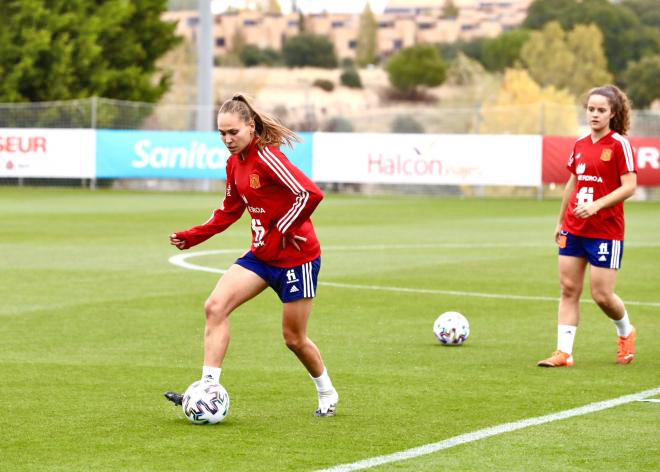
254	181
606	155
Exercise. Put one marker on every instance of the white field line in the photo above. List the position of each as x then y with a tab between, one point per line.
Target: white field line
180	260
492	431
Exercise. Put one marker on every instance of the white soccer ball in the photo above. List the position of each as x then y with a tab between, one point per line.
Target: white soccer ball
205	403
451	328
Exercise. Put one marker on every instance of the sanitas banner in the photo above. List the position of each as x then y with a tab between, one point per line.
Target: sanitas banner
174	154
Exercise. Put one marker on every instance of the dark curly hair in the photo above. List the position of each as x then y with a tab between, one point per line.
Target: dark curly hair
620	104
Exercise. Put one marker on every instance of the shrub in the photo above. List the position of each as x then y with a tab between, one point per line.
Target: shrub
308	49
338	124
351	78
406	124
324	84
251	55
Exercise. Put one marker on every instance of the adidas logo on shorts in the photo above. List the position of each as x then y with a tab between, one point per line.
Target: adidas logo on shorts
294	289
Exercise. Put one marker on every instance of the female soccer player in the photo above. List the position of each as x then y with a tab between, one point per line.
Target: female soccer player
591	224
285	253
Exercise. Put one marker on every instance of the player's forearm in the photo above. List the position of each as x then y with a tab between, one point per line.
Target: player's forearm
626	190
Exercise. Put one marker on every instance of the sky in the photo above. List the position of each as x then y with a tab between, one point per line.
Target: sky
310	6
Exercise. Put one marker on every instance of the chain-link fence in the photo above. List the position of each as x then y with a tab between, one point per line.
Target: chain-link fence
103	113
536	118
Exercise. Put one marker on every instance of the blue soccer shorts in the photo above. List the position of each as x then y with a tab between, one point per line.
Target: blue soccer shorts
605	253
290	284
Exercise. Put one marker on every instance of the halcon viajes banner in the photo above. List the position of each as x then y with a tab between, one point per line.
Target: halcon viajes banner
56	153
427	159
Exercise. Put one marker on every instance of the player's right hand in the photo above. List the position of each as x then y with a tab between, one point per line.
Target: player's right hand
557	233
179	243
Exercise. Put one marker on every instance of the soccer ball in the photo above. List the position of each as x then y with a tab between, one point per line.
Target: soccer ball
451	328
205	403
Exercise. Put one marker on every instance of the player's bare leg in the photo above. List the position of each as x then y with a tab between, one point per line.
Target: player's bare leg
571	281
294	329
603	282
234	288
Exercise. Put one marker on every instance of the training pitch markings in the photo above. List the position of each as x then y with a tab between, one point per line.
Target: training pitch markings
181	261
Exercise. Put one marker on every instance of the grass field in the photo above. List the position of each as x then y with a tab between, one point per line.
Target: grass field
96	324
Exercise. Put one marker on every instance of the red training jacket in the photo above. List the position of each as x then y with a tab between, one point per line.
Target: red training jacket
280	200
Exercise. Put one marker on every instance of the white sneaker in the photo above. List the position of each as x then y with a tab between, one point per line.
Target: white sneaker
327	403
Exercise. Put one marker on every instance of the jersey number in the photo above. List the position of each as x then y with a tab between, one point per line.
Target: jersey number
259	232
585	195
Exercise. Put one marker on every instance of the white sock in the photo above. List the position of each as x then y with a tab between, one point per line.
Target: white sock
565	338
323	382
623	326
212	373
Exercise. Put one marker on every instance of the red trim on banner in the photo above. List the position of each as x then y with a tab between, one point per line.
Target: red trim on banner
557	150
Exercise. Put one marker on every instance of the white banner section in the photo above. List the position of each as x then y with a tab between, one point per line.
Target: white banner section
47	153
427	159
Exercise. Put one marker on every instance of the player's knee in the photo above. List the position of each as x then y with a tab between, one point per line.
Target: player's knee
293	340
601	296
215	310
570	289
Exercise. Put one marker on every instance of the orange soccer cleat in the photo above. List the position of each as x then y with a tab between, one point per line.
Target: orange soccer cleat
557	359
626	352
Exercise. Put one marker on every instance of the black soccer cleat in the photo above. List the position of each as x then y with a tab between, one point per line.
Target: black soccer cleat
176	398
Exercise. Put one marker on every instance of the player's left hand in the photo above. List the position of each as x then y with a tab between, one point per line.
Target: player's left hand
585	210
293	240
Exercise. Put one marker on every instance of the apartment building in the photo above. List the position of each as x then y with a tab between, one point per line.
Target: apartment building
402	24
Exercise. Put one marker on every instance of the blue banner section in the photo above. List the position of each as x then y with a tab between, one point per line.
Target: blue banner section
175	154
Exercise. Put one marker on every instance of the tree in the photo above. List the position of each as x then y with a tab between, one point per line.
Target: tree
521	106
625	36
646	10
308	49
59	50
586	43
366	41
642	79
547	57
574	61
449	10
472	48
503	51
416	66
274	7
464	70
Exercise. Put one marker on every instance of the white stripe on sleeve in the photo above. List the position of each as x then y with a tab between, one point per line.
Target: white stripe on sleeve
627	151
290	181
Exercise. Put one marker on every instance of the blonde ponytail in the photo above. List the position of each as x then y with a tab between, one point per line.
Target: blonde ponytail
268	129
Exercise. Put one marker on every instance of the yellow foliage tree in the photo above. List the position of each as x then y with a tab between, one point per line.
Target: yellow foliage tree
573	60
522	106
